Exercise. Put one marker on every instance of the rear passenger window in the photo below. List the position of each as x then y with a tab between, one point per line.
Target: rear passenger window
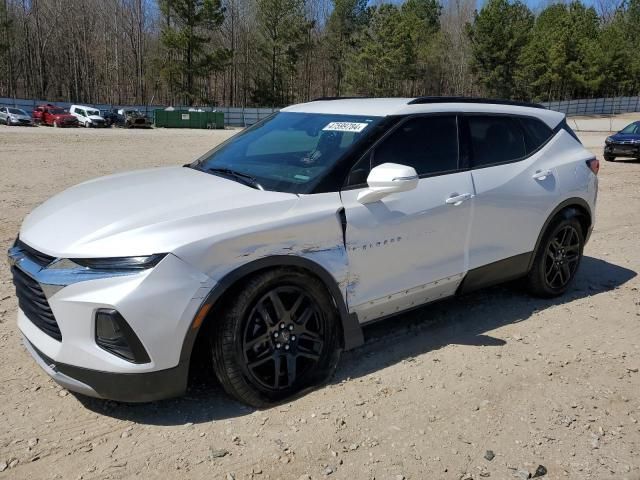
536	133
428	144
495	139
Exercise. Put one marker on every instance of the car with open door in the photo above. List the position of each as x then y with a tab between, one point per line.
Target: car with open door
269	253
54	116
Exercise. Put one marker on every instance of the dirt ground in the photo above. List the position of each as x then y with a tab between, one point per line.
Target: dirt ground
549	383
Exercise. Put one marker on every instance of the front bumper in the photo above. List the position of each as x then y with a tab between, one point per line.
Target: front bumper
158	303
20	121
623	149
121	387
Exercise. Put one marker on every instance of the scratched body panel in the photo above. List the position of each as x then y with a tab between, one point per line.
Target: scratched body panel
308	227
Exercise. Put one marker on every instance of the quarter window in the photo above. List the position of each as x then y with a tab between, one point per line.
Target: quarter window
495	139
536	133
428	144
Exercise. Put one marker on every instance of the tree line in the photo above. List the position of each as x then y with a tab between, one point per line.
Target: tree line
277	52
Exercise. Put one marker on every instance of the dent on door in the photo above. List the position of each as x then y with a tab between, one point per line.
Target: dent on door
407	248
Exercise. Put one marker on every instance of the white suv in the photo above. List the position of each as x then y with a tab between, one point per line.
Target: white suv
87	116
272	250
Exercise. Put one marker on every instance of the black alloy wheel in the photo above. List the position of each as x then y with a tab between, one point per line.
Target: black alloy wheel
283	338
562	257
557	257
278	335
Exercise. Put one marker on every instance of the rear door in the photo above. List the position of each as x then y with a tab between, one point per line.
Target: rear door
515	188
409	248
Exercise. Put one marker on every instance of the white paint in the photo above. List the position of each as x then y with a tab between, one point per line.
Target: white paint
404	246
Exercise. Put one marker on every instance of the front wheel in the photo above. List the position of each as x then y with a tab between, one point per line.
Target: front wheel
277	337
557	258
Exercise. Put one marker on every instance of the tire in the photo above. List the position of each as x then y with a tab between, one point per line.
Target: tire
277	337
557	258
609	158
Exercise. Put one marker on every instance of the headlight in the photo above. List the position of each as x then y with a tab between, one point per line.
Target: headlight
608	140
120	263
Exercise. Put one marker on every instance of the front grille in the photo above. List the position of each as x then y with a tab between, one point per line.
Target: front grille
34	304
40	258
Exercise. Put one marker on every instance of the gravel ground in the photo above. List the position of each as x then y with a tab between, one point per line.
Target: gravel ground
494	384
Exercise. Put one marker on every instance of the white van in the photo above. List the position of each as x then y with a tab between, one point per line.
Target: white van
87	116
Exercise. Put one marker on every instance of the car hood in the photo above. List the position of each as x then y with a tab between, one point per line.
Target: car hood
96	117
145	212
20	117
621	137
64	116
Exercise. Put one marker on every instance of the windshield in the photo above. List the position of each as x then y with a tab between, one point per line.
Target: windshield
633	128
17	111
288	152
57	111
93	112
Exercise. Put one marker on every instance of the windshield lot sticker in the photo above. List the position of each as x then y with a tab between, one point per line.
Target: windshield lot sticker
345	127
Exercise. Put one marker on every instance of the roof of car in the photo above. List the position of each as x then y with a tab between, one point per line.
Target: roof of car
382	107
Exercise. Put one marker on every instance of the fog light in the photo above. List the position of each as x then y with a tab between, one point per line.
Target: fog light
114	335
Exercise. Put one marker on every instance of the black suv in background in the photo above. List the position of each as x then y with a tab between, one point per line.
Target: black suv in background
625	143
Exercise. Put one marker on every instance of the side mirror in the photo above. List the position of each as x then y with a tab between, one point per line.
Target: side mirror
386	179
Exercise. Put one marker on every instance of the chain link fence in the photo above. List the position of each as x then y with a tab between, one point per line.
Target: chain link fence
233	116
243	117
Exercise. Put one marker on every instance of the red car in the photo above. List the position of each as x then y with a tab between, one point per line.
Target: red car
52	115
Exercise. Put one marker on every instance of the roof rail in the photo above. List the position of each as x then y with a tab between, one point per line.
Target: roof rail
493	101
323	99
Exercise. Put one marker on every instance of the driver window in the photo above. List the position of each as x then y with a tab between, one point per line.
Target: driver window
429	144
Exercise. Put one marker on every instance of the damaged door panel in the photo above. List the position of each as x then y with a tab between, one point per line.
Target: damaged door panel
406	249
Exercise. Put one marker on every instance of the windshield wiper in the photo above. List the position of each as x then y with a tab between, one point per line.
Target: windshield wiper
239	176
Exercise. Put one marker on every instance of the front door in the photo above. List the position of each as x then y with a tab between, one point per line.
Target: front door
410	248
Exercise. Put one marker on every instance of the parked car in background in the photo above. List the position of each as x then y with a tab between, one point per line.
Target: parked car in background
625	143
135	119
54	116
15	116
267	254
112	117
88	117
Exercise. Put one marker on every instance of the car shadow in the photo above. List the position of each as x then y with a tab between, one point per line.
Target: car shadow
460	320
465	320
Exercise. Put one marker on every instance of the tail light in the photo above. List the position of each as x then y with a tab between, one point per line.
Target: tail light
594	165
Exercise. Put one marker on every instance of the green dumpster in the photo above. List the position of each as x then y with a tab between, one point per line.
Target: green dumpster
187	119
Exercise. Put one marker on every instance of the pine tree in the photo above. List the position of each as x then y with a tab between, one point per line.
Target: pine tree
560	61
498	36
283	38
346	22
187	37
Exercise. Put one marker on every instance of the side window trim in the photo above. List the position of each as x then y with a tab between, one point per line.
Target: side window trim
465	117
369	152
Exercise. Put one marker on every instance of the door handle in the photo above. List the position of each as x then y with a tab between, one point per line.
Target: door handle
456	199
542	174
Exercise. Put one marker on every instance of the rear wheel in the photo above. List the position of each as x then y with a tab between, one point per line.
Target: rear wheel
277	337
557	259
609	158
